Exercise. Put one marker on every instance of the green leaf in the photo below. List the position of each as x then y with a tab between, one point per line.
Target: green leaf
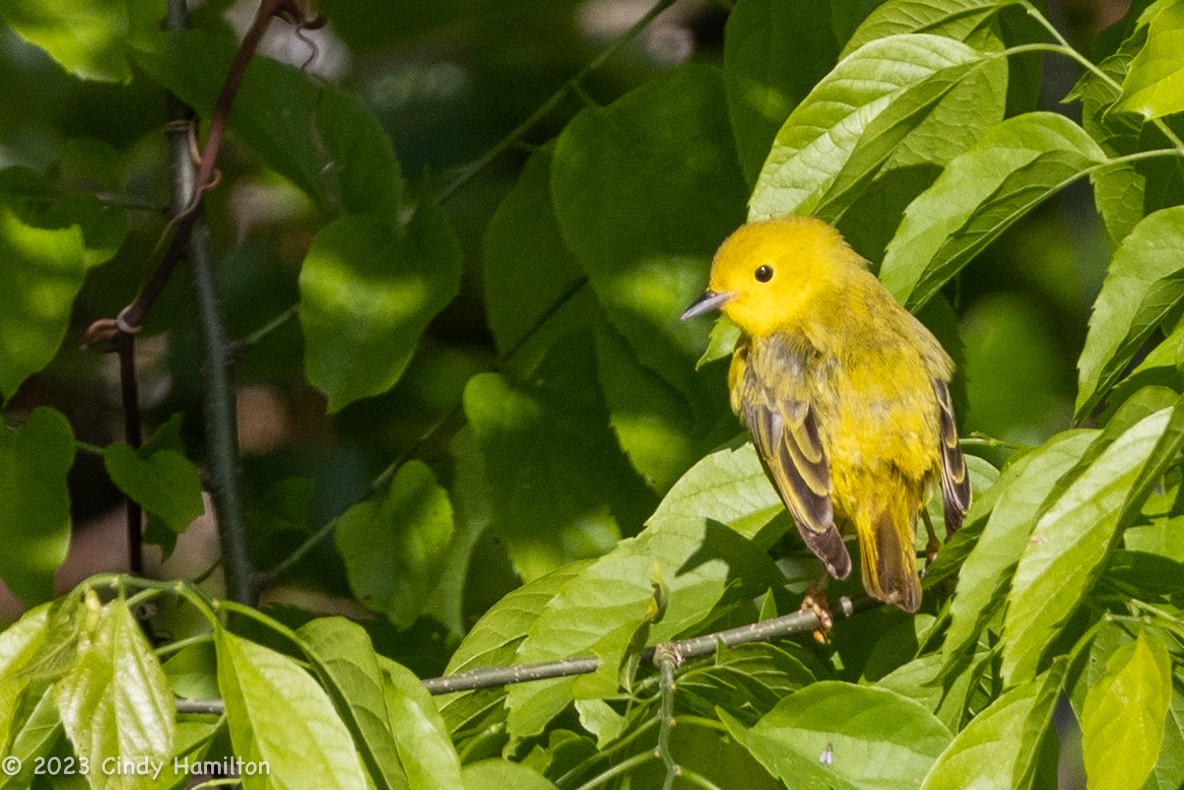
956	19
494	640
531	280
728	486
165	483
394	552
19	644
367	293
1168	773
873	738
1000	745
654	424
1142	286
765	79
597	612
344	660
645	190
1010	170
1069	546
748	680
338	153
87	38
721	343
35	503
35	738
115	701
496	774
562	489
1154	86
279	715
1122	725
425	749
42	270
985	574
860	114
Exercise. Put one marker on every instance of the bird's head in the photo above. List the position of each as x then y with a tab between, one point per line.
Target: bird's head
767	273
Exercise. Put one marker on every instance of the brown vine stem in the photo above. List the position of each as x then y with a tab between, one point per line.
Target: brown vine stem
125	347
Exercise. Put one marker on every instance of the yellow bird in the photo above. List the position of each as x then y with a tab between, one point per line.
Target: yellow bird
845	394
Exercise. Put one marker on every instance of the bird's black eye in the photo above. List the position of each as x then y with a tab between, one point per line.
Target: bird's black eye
764	274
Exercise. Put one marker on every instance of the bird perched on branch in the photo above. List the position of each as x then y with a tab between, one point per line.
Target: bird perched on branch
845	394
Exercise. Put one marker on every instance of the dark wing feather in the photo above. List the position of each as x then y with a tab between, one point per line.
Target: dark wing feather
787	441
955	482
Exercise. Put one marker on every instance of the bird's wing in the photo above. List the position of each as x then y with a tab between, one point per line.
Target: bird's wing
955	482
786	436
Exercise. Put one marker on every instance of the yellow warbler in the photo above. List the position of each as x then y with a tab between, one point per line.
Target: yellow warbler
845	395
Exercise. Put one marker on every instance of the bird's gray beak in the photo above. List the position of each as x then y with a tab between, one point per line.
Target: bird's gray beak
710	300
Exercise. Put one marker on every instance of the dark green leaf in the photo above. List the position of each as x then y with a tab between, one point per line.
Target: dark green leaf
645	190
34	502
872	738
562	489
530	276
367	293
394	552
115	702
1010	170
278	714
337	152
764	78
1122	726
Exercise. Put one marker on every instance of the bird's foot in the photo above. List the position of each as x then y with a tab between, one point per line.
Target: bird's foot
815	601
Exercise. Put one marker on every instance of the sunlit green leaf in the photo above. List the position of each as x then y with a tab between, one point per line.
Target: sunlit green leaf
860	113
367	292
345	661
951	18
165	483
1000	744
1010	170
35	503
115	702
1122	725
1068	547
89	39
984	576
1142	287
394	551
497	774
42	270
425	749
847	737
1154	86
279	715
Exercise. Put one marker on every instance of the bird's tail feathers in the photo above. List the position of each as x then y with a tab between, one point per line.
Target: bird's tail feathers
889	560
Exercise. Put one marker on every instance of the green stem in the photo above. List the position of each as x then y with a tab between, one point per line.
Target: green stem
259	617
550	104
622	767
181	644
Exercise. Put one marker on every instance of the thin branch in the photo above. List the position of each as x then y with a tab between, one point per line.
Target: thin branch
667	659
801	622
125	347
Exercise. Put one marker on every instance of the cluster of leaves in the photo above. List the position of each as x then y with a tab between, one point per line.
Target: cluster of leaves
591	447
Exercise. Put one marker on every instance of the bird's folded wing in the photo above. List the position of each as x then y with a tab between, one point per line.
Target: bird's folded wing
786	435
955	482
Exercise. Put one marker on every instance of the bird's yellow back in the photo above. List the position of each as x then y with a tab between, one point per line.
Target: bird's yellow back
844	393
